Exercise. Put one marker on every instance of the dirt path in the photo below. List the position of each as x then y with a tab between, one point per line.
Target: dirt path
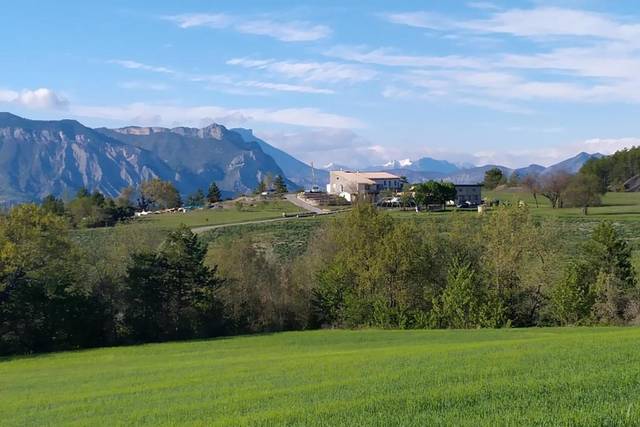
206	228
293	198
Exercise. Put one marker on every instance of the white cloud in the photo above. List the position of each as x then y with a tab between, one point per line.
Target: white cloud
482	5
420	19
549	155
323	146
189	20
169	115
143	85
553	21
534	23
8	95
134	65
309	71
285	31
215	81
42	98
288	31
602	61
385	56
505	107
286	87
597	63
609	145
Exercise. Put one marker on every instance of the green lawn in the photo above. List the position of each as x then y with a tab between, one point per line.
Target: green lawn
615	206
230	215
555	376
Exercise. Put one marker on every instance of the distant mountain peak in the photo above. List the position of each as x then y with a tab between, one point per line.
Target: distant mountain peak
53	157
336	167
296	170
212	131
398	164
140	130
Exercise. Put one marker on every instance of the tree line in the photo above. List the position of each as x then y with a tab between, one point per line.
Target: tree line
613	171
582	190
93	209
268	183
363	269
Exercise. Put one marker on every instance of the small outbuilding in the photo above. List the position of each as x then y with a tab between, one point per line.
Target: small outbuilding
468	194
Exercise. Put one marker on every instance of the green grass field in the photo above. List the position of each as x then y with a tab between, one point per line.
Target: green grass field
554	376
615	206
151	230
205	217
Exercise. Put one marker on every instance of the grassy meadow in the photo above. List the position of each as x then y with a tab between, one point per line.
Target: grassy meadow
290	238
551	376
615	206
230	214
150	231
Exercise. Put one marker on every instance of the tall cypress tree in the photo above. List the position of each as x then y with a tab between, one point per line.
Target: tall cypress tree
214	195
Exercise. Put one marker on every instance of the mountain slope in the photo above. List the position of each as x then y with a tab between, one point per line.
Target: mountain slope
57	157
424	164
200	156
475	175
294	169
428	164
532	169
572	165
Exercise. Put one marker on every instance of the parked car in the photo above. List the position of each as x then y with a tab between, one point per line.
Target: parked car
467	205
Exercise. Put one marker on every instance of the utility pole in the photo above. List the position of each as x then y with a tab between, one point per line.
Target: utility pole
313	177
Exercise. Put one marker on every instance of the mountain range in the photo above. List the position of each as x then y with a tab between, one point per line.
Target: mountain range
38	158
427	168
295	170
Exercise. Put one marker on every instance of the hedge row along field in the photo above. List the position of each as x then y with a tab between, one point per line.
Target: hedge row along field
552	376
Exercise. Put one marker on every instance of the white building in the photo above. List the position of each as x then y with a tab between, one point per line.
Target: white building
367	185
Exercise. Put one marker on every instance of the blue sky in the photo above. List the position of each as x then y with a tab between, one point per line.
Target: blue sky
354	83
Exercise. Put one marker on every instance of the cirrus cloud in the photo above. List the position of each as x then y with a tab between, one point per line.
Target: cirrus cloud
287	31
169	115
331	72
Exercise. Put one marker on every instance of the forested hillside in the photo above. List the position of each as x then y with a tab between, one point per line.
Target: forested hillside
614	170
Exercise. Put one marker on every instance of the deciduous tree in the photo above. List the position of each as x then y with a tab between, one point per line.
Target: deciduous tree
553	186
160	194
532	184
583	191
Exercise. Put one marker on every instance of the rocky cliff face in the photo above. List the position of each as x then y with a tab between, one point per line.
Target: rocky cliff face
38	158
44	157
202	155
297	171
